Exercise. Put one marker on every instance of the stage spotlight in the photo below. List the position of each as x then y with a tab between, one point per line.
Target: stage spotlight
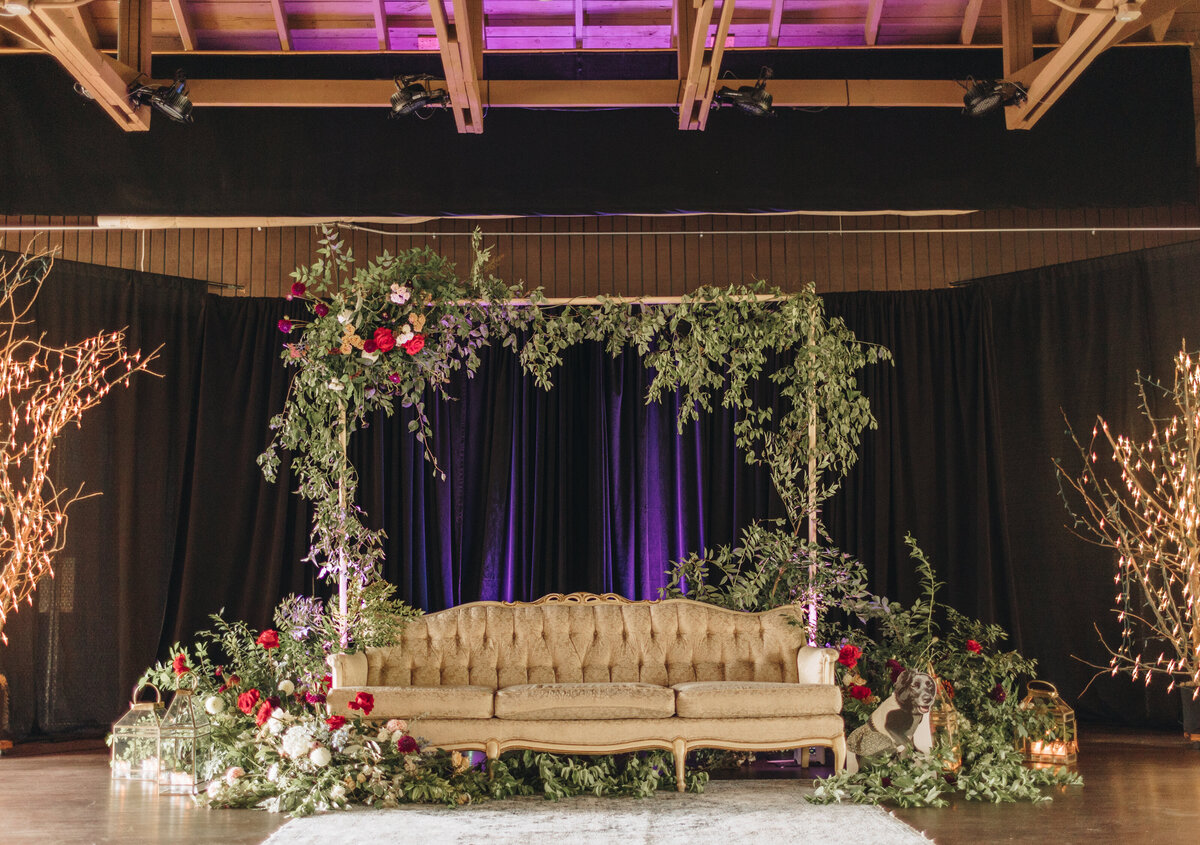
987	96
751	99
171	100
413	97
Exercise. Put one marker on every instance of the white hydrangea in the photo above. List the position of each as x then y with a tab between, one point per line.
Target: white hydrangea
296	741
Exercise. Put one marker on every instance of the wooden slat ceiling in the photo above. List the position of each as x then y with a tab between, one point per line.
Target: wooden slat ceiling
86	40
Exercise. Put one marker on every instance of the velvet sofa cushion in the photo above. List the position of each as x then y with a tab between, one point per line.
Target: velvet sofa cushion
754	700
466	702
554	702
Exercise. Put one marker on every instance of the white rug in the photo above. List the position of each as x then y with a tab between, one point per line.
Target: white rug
763	811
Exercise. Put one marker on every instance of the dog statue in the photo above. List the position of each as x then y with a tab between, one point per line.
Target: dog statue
899	724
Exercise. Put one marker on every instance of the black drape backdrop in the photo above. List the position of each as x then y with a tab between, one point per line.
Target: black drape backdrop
585	487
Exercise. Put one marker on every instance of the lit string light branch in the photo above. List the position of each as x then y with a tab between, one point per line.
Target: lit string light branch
43	388
1147	509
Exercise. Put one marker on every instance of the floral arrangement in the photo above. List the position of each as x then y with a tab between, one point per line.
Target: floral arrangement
276	748
975	677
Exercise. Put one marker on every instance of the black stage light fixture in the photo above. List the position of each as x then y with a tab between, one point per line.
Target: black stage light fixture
987	96
171	100
751	99
412	96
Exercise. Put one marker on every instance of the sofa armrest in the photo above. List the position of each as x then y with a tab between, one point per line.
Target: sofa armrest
815	665
349	670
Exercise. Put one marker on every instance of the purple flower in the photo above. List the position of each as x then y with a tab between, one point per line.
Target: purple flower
314	697
285	325
321	309
997	694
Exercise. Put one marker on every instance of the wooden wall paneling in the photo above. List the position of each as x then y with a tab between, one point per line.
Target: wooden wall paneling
663	270
603	251
153	243
799	256
836	258
1005	241
1149	239
1108	240
886	266
993	255
1035	240
863	258
917	243
1076	219
690	246
682	276
520	271
276	281
648	274
620	256
577	244
761	249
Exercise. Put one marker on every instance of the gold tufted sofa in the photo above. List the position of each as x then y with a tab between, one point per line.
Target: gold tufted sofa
588	674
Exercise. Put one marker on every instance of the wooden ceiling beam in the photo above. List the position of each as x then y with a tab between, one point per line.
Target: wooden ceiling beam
64	37
1050	76
461	46
183	23
871	25
281	25
970	21
1064	25
774	23
133	35
578	24
381	24
704	64
566	93
1159	26
1016	29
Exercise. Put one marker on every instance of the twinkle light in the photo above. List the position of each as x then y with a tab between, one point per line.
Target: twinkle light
43	389
1148	511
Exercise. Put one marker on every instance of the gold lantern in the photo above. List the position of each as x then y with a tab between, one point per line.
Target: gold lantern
135	739
186	746
943	721
1060	744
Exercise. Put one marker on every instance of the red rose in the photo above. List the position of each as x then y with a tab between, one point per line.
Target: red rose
298	289
264	713
268	639
364	701
369	346
415	345
406	744
321	309
335	722
895	667
180	665
861	693
974	647
247	701
849	655
384	339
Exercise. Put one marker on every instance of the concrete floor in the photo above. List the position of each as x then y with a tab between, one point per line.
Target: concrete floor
1140	787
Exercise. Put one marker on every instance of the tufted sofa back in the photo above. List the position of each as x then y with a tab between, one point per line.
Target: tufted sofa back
495	644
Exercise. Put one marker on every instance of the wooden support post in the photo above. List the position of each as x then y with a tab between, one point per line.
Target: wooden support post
970	20
871	26
461	46
133	35
704	64
1016	26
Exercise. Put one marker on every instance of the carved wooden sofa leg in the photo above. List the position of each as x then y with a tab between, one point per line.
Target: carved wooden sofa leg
839	753
679	747
492	749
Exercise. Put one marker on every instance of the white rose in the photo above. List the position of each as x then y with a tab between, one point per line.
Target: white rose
214	704
320	756
287	687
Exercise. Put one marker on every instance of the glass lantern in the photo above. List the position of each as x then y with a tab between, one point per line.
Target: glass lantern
135	740
186	746
1060	745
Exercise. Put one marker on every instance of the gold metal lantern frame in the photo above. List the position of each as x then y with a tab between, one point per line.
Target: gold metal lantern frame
186	746
1060	743
135	739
